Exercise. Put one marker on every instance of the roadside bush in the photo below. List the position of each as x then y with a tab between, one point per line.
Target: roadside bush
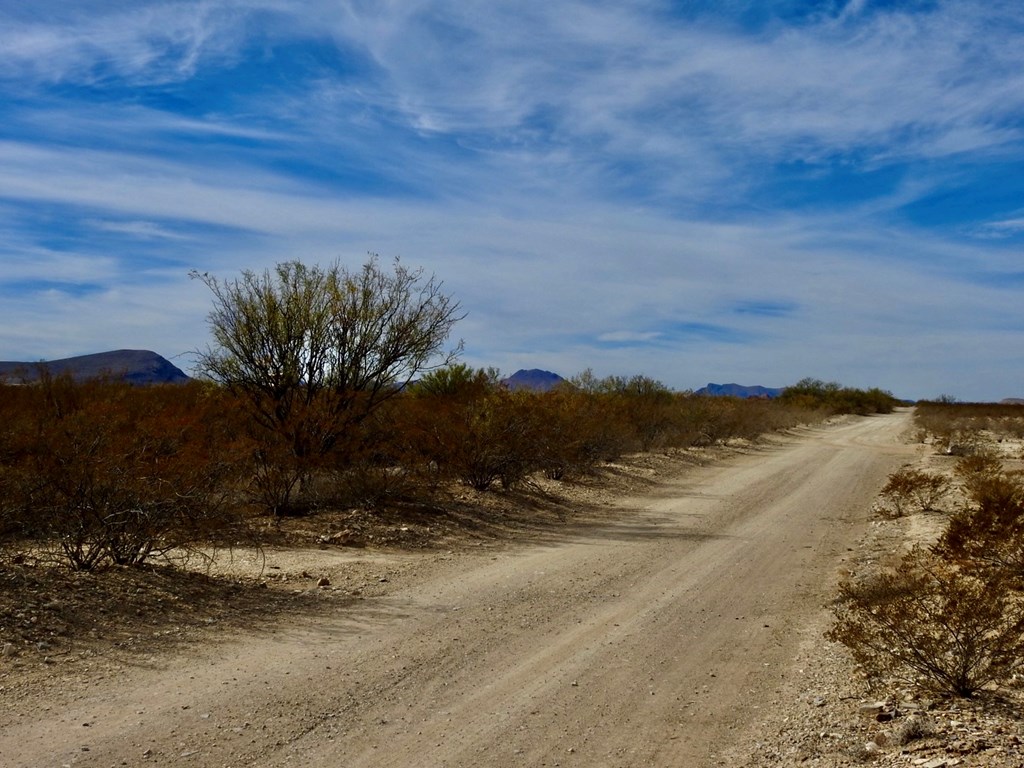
581	431
708	419
977	471
11	422
651	410
113	474
503	441
385	460
466	427
989	532
909	488
834	398
641	413
956	427
312	352
933	625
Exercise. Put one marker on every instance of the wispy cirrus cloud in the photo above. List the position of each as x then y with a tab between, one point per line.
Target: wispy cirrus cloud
755	189
143	43
141	229
1000	229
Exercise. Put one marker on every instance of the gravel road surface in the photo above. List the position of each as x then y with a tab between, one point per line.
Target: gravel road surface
657	640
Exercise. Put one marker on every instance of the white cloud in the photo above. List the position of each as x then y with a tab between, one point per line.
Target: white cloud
141	229
567	168
1000	229
635	85
629	336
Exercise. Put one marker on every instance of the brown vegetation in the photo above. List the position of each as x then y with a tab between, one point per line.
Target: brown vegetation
951	617
103	473
930	623
909	488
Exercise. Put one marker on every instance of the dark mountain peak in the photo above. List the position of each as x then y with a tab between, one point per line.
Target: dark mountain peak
738	390
135	366
533	379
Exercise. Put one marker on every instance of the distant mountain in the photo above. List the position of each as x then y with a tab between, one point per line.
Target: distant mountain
738	390
533	379
1012	401
135	366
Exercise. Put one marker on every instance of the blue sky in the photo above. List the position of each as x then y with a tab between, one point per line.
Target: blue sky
693	190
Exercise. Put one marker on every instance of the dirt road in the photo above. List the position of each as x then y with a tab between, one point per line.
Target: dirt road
655	641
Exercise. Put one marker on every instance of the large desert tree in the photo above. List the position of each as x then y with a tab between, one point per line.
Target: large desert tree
313	351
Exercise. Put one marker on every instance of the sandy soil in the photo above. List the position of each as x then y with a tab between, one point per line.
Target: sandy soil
668	636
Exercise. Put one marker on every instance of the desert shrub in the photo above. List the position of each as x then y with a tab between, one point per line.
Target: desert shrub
743	418
601	430
278	477
956	427
456	380
110	473
11	423
370	484
963	444
650	408
989	532
708	419
478	433
460	424
908	488
979	464
642	411
977	471
312	352
832	397
570	433
931	624
914	728
504	441
385	460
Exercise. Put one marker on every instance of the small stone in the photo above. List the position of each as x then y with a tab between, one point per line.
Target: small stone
323	581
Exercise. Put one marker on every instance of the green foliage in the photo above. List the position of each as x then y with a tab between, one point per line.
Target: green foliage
312	352
457	381
834	398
